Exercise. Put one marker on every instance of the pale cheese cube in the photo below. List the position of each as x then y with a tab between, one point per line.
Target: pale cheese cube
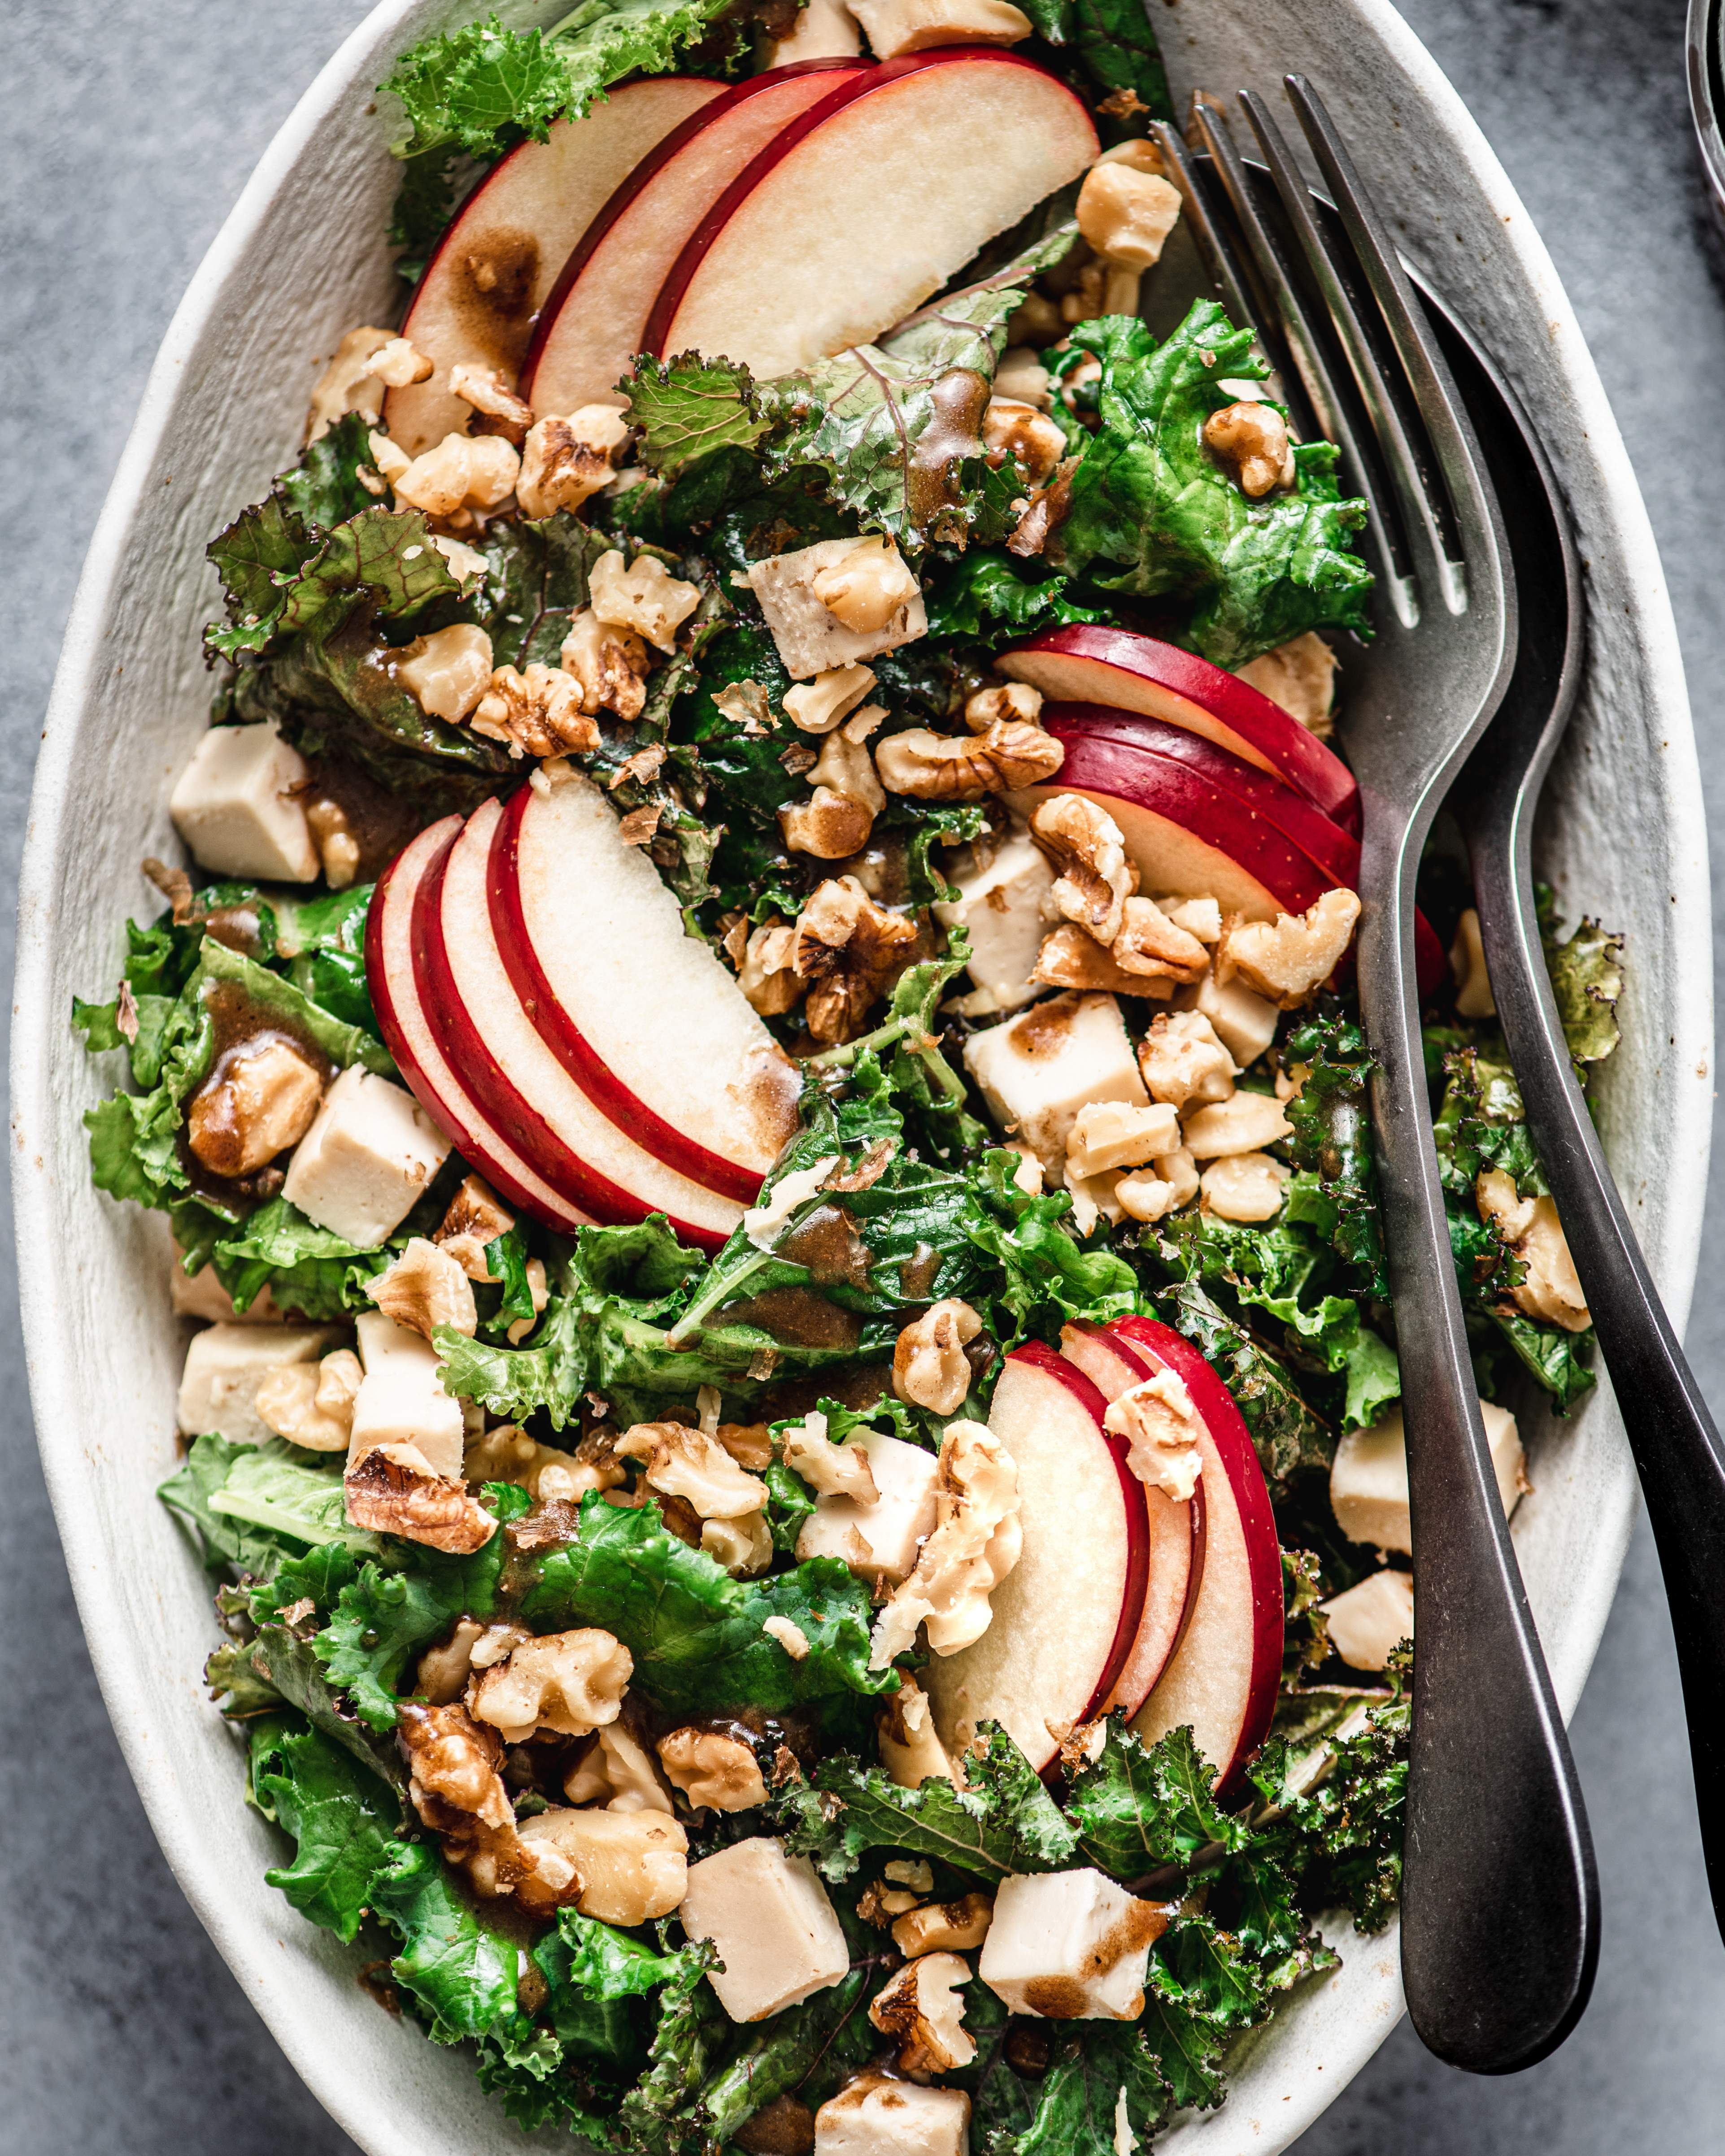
235	806
1367	1621
1001	904
1368	1480
226	1364
1243	1022
874	2117
810	638
880	1540
768	1916
401	1399
1069	1946
364	1164
1038	1071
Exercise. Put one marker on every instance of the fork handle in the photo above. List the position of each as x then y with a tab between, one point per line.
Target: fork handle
1500	1904
1675	1444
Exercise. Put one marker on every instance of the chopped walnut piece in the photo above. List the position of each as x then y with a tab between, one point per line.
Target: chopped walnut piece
1160	1425
767	976
845	765
1245	1122
681	1462
1011	428
1253	439
830	1470
975	1544
447	672
508	1454
1005	700
1290	959
1467	968
750	1444
475	1219
1244	1186
1094	875
721	1772
337	848
425	1288
444	1669
1149	942
540	712
490	394
931	767
1551	1287
623	1867
910	1748
743	1546
465	472
944	1927
619	1771
1183	1061
817	706
930	1368
1048	507
610	664
1070	957
311	1404
367	361
1127	215
828	826
645	597
454	1785
1144	1196
1108	1134
866	587
850	949
392	1491
1301	677
565	461
255	1104
920	2009
569	1682
747	706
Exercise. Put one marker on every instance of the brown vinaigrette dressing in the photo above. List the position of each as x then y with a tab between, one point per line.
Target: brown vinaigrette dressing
954	433
800	1316
828	1243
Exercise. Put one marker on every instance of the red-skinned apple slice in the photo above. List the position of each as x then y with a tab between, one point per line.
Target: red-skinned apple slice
868	203
408	1031
1223	1678
1176	1531
492	1045
595	946
1091	664
489	277
1066	1617
595	319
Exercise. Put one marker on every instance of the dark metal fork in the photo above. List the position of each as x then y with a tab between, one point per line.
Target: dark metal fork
1499	1906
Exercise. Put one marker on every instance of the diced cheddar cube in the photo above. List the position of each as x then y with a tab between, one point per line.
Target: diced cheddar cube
1069	1946
873	2115
225	1366
879	1540
1001	903
236	807
1368	1480
768	1916
364	1164
401	1399
1366	1621
1244	1022
1038	1071
809	634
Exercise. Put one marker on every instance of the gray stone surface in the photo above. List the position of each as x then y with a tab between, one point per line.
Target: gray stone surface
131	128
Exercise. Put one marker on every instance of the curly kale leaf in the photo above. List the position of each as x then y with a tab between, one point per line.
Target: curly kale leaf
1139	1807
1147	498
1331	1145
1287	1433
382	559
986	594
1586	971
253	1506
1117	48
1350	1823
343	1820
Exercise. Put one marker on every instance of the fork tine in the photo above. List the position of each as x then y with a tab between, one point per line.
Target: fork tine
1212	245
1333	412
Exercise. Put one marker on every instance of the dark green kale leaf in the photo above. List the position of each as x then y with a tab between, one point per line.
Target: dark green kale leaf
322	942
690	2030
308	1269
1553	1357
1351	1821
1586	972
343	1820
988	595
1139	1807
1046	1275
1305	1629
1115	43
1287	1433
250	1505
535	582
1078	2099
461	1968
1333	1144
1481	1124
806	2051
1146	496
383	559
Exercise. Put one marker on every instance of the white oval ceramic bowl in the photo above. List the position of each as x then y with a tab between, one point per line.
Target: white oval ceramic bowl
301	260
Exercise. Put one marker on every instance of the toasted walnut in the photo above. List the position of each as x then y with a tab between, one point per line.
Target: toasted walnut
1467	964
1252	438
623	1867
1160	1425
1070	957
645	597
367	361
1244	1186
743	1546
465	472
475	1219
565	1681
444	1669
920	2009
1094	875
817	706
1108	1134
1127	215
850	949
975	1544
1022	376
944	1927
719	1771
425	1288
610	664
454	1785
1005	701
619	1771
394	1491
828	826
337	848
1290	959
311	1404
929	1366
1247	1122
447	672
1301	677
261	1099
465	563
508	1454
1144	1196
538	1293
540	712
767	976
1551	1287
845	765
490	394
565	461
1020	431
910	1748
1180	1171
931	767
866	587
681	1462
789	1634
830	1470
1149	942
1182	1060
750	1444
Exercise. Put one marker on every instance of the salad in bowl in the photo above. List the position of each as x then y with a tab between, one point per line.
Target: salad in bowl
754	1080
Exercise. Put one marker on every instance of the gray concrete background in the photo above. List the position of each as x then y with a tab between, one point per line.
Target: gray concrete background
130	127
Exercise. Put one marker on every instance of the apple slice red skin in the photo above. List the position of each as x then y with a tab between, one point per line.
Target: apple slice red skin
563	292
662	322
1090	663
401	1015
1159	1347
1176	1531
526	1130
565	1039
